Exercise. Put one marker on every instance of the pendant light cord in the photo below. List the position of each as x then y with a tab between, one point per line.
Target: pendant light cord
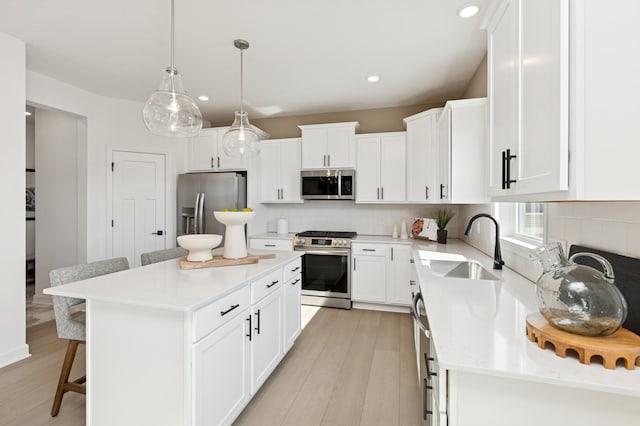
241	79
172	36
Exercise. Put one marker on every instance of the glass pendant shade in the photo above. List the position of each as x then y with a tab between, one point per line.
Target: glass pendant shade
241	140
170	111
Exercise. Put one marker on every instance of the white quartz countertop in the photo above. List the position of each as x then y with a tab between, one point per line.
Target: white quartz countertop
381	239
274	236
479	326
164	285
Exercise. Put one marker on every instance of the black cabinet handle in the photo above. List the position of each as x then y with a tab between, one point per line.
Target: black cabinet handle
295	269
272	283
430	373
249	335
508	158
223	313
382	193
212	162
504	169
257	314
218	162
368	249
269	245
296	282
412	282
354	263
378	196
391	253
425	389
426	192
441	191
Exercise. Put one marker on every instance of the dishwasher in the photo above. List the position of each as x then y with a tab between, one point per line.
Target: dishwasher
422	336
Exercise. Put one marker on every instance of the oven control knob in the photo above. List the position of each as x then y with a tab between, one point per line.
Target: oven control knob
300	241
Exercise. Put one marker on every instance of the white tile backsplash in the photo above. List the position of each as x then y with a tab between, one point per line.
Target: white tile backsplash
365	219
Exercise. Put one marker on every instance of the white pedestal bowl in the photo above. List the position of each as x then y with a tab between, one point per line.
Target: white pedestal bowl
235	244
199	246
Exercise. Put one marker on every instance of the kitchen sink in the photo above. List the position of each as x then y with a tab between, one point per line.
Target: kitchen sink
467	269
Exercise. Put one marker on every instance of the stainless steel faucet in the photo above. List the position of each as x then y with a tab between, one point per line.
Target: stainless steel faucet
497	255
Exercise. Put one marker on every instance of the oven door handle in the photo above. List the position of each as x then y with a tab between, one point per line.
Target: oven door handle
328	252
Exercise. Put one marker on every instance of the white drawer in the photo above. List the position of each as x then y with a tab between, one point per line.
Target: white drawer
269	244
266	285
292	269
369	249
212	316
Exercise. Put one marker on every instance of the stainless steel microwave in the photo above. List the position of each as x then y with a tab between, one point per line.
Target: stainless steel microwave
328	184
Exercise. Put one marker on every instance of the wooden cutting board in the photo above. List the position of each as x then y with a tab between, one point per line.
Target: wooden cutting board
218	261
623	344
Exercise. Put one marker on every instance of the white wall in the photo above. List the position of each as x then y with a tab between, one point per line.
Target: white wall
110	124
12	215
57	225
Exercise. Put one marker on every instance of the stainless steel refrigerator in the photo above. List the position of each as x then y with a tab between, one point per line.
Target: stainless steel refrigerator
200	194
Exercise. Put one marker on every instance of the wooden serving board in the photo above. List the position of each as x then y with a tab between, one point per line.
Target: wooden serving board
218	261
621	344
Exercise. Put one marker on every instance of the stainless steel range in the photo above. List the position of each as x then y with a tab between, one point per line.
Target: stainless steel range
326	267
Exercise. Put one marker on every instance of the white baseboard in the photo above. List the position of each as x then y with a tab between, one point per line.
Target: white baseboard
380	307
14	355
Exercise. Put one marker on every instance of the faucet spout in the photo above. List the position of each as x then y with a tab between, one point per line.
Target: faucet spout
497	254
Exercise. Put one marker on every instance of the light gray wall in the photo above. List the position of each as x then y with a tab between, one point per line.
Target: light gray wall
13	345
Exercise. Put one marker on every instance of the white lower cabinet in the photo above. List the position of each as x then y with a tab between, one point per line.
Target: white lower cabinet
221	372
292	305
266	337
381	273
271	244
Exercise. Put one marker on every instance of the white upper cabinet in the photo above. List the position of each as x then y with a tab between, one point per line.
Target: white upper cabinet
329	146
421	156
280	171
207	154
461	152
563	100
529	88
381	167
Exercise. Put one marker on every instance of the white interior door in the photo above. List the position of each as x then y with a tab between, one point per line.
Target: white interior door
138	204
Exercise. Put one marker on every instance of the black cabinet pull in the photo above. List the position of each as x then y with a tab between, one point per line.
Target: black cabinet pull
272	283
368	249
295	269
508	158
257	314
426	388
430	373
218	162
504	169
223	313
391	253
269	245
354	263
382	193
426	192
441	191
378	196
212	162
412	282
249	335
296	282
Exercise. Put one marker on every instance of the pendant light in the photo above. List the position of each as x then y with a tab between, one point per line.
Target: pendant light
169	110
241	140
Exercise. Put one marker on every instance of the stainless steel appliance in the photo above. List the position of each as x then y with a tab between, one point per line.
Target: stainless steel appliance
200	194
422	336
328	184
326	267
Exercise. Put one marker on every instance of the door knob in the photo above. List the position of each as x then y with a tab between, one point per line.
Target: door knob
157	233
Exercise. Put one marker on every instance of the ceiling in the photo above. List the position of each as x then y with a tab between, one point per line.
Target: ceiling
306	56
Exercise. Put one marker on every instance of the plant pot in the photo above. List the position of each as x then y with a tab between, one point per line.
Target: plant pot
442	236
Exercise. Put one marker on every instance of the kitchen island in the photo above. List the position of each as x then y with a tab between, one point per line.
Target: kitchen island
167	346
487	372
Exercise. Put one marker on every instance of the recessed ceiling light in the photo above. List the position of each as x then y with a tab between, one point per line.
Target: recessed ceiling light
27	113
469	10
373	78
203	98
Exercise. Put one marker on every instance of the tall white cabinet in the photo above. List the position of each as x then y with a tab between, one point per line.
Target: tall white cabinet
421	156
380	167
563	119
280	171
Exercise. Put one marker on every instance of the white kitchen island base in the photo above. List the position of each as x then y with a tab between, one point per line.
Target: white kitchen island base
185	347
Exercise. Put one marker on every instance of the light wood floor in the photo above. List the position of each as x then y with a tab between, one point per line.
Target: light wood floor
346	368
352	367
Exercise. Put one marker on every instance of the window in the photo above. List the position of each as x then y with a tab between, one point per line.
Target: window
530	220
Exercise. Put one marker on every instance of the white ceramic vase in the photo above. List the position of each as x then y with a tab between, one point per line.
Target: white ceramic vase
235	243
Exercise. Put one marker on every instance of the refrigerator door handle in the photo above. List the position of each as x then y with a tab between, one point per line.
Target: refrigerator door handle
200	212
195	215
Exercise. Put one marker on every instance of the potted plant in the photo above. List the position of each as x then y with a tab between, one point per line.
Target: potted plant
442	218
